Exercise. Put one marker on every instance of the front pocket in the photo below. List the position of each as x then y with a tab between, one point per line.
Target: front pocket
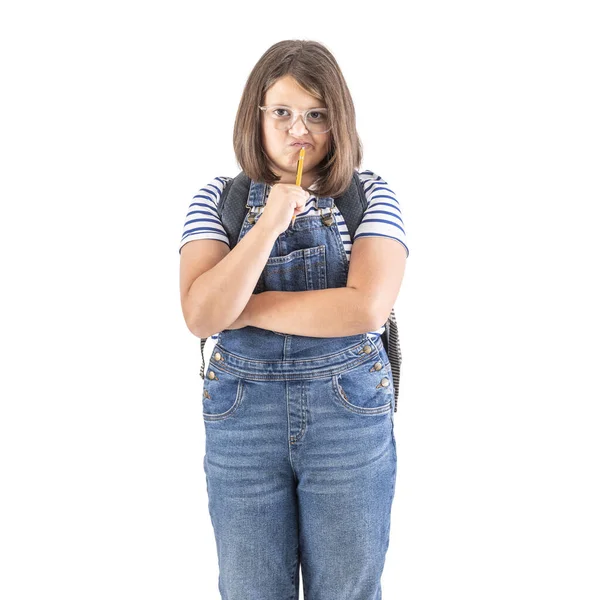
221	394
298	271
366	389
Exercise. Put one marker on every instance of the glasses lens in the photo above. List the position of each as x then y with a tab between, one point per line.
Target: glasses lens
317	120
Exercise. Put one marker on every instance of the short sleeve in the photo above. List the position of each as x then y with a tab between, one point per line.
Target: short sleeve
202	221
383	216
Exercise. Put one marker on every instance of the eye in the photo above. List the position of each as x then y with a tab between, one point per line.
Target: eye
317	115
276	113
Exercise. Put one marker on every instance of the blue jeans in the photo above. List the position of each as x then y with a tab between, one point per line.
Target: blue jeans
300	465
300	456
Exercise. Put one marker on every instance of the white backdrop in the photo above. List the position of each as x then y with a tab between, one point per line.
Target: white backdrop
482	116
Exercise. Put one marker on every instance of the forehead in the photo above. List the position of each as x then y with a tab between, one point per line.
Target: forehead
287	92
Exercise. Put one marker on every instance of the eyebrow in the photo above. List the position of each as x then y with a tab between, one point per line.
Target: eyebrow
288	106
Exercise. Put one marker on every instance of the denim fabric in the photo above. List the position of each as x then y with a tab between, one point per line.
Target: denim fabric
300	458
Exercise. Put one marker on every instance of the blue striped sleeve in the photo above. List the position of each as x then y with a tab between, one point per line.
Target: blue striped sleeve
383	216
202	221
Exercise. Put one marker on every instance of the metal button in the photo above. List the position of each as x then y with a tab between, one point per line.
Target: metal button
206	394
378	366
211	375
217	356
367	349
385	382
327	220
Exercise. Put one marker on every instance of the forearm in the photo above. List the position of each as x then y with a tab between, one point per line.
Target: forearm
333	312
219	295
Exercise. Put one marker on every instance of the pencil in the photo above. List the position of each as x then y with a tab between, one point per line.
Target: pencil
299	173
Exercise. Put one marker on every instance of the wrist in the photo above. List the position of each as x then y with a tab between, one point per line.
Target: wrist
265	230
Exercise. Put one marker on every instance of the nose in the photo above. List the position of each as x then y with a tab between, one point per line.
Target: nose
298	127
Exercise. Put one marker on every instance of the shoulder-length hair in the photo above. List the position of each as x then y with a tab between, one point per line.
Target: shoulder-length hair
315	69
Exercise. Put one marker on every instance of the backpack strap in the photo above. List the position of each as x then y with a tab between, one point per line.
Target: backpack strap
352	204
232	207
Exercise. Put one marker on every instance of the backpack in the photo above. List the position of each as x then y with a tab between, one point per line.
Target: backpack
352	204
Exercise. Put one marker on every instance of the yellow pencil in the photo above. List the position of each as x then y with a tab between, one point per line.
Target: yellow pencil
299	173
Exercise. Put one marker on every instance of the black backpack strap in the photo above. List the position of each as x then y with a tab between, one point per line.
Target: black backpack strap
352	204
202	344
232	207
394	353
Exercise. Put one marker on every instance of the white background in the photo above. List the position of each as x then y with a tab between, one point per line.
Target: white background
482	116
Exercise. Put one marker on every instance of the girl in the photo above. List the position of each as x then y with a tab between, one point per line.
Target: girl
298	398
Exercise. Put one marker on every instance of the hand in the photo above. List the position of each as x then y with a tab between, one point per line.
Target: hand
285	201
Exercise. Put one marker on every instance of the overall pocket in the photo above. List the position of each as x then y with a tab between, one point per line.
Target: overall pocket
366	389
299	271
222	393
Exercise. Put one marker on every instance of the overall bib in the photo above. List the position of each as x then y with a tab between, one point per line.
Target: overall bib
300	458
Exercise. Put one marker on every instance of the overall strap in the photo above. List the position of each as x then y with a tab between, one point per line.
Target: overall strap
232	205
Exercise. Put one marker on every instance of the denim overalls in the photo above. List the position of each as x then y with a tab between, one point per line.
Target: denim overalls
300	456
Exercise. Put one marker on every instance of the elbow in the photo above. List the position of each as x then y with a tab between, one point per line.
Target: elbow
376	318
193	326
196	320
199	330
199	327
194	329
370	311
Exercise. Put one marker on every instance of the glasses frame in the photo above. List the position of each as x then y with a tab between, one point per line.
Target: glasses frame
296	114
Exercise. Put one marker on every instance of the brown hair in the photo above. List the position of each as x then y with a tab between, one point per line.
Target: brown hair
315	69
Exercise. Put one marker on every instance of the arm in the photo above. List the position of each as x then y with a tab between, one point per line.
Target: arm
379	254
332	312
218	296
364	305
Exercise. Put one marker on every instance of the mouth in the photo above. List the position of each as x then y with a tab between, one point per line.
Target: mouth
300	144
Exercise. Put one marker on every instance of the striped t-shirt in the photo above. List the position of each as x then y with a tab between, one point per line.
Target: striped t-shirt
382	218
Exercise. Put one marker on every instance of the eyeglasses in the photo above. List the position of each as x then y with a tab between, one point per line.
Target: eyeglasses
316	120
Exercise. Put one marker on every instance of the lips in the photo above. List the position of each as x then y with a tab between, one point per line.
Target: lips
299	144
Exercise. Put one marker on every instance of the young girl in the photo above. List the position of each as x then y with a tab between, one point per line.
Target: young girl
298	398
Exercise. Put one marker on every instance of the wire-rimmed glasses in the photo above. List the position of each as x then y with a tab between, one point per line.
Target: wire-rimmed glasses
282	117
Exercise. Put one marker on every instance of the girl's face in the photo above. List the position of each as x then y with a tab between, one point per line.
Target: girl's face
283	157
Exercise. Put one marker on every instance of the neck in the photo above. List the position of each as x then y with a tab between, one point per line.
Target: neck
307	180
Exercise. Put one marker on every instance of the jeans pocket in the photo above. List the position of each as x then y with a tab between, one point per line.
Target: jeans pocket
366	389
221	394
301	270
